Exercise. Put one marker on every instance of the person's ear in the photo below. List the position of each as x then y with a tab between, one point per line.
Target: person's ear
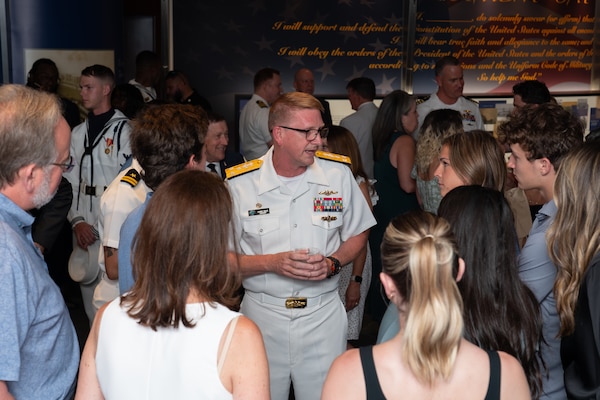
461	269
26	177
389	286
545	166
277	134
198	164
106	89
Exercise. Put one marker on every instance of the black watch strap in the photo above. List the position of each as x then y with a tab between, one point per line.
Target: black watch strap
336	267
356	278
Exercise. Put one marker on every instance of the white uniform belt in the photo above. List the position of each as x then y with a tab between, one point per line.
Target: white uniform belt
292	301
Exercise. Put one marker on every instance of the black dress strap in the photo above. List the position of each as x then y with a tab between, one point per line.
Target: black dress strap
371	382
493	392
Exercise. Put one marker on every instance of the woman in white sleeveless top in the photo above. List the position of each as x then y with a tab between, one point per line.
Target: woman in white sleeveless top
173	335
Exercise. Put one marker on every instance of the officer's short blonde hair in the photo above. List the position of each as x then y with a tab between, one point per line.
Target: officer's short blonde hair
287	103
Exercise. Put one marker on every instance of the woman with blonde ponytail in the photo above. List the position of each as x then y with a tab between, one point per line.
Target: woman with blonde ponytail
574	247
428	358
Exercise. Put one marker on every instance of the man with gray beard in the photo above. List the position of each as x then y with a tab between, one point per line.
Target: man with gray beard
39	353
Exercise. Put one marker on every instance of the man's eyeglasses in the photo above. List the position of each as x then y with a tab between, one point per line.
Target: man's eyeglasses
66	167
311	134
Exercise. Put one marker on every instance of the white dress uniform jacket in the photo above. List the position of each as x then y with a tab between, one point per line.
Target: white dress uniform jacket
254	128
125	193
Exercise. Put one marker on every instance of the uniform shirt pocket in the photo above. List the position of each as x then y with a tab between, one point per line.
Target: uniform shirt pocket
261	232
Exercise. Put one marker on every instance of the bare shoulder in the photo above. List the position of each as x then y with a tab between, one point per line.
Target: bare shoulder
402	156
347	359
404	140
247	341
402	145
345	378
513	383
244	368
247	329
510	366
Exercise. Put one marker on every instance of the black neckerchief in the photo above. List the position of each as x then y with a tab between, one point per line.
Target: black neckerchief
95	124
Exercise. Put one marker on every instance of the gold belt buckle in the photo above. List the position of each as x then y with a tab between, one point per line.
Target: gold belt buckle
295	302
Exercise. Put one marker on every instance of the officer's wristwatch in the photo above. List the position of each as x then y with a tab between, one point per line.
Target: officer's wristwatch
336	266
356	278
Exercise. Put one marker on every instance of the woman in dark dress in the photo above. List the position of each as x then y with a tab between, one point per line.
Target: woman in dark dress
394	148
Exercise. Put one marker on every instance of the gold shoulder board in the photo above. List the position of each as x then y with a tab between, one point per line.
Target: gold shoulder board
471	100
132	177
241	169
333	157
261	104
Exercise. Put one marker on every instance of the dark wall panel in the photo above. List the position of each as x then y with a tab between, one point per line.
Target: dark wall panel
64	24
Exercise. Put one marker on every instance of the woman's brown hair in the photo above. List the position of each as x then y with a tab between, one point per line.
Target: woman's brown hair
180	249
478	159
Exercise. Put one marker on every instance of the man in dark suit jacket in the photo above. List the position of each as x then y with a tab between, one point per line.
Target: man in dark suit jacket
218	158
51	231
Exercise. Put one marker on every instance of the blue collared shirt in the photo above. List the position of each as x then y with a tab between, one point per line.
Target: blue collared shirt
39	351
539	273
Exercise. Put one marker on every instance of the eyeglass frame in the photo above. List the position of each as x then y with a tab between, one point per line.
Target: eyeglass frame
323	132
66	167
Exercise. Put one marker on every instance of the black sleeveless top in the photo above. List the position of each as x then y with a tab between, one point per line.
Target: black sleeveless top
374	389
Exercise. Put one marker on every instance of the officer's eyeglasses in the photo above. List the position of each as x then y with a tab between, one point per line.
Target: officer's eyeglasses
311	134
66	167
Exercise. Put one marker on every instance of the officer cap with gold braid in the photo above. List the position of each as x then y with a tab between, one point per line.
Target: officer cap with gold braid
132	177
241	169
